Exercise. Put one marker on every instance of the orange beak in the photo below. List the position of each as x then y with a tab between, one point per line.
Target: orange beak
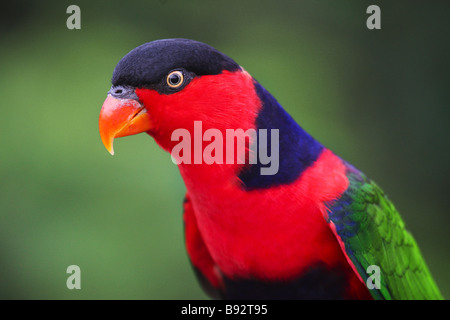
120	118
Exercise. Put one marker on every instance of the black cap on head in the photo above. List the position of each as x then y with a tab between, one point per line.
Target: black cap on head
148	63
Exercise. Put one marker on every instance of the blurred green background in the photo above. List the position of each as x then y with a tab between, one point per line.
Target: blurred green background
379	99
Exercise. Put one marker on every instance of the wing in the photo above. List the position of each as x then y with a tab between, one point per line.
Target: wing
371	232
205	269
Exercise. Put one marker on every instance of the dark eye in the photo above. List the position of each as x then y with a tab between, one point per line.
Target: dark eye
175	79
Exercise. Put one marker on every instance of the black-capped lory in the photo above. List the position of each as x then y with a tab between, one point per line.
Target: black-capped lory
269	212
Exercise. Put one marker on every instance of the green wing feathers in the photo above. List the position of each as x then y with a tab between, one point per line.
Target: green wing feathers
373	233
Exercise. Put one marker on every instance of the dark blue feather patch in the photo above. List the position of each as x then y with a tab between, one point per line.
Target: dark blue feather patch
297	149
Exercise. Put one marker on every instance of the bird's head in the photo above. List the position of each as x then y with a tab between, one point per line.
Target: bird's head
169	84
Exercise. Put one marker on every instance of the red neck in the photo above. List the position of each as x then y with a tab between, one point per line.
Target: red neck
272	233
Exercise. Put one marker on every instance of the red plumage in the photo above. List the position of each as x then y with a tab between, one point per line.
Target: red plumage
272	234
269	238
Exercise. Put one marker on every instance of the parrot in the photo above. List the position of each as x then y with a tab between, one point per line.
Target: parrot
313	227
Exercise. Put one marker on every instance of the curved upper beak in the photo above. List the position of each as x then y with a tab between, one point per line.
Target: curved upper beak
120	118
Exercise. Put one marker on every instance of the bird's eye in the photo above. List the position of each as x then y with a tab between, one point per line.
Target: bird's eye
175	79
